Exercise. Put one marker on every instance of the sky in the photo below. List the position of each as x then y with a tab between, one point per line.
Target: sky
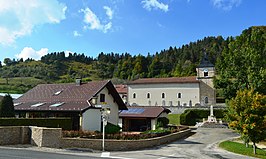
34	28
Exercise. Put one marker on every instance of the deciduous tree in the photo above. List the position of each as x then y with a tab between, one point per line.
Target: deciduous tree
247	115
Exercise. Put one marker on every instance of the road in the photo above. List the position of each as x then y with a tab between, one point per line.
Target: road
202	145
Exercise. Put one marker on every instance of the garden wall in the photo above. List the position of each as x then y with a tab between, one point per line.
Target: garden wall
123	145
12	135
52	137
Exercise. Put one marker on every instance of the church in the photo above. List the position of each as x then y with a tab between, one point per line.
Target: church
175	91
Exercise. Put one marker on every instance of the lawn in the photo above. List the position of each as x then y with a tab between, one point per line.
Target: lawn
241	149
174	119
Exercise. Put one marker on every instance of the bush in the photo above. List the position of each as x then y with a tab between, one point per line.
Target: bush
164	121
191	116
64	123
112	129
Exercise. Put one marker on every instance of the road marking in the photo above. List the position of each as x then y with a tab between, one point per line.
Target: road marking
105	154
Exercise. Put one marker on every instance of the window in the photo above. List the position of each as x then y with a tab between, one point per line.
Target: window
163	95
102	97
57	104
134	95
148	95
190	103
163	103
37	104
179	95
57	93
206	100
205	73
170	103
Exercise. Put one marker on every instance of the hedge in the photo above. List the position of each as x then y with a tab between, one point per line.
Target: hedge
64	123
191	116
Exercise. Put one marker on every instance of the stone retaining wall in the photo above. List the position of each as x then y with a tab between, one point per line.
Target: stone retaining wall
12	135
52	137
122	145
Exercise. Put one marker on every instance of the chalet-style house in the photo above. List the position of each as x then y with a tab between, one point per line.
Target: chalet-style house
175	91
141	118
80	101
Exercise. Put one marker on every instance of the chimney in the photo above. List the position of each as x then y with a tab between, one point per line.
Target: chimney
78	81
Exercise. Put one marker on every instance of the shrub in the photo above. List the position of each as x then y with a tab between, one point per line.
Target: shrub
112	129
191	116
163	121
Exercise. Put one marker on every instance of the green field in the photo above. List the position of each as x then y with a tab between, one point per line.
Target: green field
174	119
241	149
18	85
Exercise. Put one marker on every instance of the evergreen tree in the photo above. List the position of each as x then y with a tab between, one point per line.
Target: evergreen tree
7	107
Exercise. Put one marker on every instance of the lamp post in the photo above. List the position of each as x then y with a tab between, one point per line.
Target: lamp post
105	111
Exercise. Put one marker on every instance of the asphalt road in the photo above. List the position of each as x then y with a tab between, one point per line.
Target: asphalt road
202	145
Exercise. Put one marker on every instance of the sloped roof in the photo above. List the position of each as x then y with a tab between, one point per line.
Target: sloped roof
205	62
121	88
190	79
73	97
143	112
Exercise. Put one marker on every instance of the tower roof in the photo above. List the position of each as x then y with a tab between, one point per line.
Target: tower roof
205	62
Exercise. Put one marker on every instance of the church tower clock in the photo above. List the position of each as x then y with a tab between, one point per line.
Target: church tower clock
205	74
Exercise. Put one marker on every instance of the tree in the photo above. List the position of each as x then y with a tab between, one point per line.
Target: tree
247	115
243	63
7	107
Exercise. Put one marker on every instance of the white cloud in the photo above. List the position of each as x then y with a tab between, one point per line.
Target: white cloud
226	5
19	17
154	4
29	52
93	22
76	33
109	12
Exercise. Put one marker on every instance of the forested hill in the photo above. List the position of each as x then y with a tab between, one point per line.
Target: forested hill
166	63
171	62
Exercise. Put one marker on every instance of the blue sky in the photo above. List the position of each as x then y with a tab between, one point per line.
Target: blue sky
33	28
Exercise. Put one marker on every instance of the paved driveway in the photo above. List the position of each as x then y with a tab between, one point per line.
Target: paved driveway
203	144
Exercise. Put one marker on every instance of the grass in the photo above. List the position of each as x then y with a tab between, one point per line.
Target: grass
241	149
174	119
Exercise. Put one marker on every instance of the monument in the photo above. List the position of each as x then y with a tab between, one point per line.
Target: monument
211	117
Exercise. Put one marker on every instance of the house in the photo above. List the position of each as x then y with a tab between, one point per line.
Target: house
175	91
138	118
122	91
80	101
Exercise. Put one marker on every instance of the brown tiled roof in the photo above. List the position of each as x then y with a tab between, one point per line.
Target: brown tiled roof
121	88
74	97
143	112
190	79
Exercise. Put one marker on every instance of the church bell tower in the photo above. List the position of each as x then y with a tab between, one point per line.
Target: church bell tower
205	74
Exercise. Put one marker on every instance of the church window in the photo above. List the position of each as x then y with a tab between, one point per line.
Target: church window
148	95
163	103
179	95
134	95
206	100
163	95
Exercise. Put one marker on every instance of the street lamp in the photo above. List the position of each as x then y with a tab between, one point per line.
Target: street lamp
105	111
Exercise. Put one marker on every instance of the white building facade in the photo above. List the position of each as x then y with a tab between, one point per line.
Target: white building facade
175	91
